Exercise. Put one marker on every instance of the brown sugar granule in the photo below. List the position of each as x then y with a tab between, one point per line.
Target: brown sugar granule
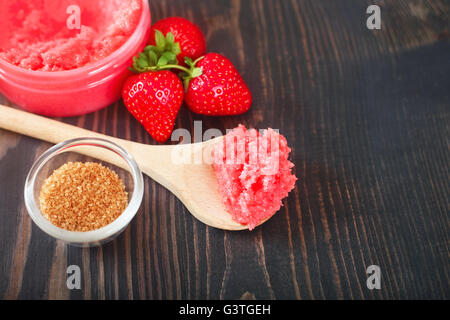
83	196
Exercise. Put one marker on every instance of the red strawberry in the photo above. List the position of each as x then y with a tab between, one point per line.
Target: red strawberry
188	35
154	98
215	87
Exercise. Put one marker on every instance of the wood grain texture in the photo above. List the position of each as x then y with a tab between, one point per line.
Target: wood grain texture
367	115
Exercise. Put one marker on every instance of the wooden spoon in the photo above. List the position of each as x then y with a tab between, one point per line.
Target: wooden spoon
194	183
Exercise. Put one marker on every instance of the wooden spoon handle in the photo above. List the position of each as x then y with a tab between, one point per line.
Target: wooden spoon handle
54	131
153	160
44	128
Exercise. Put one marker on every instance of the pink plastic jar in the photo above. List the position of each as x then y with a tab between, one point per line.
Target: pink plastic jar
78	91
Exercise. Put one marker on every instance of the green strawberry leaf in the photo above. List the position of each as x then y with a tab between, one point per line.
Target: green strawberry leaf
142	60
176	48
170	56
188	61
196	72
170	38
153	58
133	70
147	49
162	61
160	41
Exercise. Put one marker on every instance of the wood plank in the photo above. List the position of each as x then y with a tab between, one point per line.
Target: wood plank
367	115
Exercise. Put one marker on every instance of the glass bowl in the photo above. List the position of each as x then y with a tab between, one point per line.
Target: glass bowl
74	150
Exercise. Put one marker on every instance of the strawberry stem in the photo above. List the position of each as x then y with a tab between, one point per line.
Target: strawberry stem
187	74
169	66
193	72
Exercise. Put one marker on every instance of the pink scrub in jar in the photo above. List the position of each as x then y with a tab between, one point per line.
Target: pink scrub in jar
68	57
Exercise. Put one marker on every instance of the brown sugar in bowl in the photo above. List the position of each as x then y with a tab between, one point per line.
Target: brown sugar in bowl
83	196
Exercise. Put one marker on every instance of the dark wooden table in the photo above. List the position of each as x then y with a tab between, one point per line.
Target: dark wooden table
367	114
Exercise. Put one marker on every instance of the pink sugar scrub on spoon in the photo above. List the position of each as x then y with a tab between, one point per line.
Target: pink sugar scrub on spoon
253	173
